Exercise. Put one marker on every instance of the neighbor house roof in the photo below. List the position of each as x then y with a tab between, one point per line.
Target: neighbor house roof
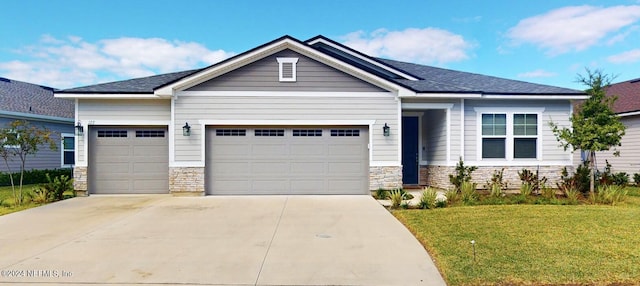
427	79
628	93
25	98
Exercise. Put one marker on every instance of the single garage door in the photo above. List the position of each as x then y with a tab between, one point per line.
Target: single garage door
287	160
128	160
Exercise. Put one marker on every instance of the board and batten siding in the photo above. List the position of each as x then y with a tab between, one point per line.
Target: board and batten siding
120	112
557	111
262	75
629	159
381	109
45	158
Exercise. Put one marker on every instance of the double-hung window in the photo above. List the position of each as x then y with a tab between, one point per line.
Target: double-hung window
509	135
68	150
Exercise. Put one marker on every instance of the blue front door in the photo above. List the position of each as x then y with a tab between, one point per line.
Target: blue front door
410	159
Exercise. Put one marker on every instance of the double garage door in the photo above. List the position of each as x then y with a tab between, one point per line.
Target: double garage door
239	160
128	160
287	160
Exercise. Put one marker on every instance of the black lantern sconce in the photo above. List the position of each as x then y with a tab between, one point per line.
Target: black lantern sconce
386	130
79	129
186	129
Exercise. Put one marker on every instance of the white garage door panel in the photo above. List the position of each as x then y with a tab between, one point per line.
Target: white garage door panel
286	164
128	160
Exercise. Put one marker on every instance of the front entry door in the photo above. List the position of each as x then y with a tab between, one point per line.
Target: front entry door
410	159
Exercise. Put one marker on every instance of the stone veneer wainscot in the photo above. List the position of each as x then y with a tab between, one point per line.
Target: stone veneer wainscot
80	180
186	181
386	177
438	176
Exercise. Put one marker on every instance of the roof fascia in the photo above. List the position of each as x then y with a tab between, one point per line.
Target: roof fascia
361	56
107	95
268	49
38	117
627	114
538	96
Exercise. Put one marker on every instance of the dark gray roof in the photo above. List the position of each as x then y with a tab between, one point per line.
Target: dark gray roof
136	85
23	97
435	79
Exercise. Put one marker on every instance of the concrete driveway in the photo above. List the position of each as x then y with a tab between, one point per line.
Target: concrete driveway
247	240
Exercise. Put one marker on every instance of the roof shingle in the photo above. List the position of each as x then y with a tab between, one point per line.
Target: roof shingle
628	93
23	97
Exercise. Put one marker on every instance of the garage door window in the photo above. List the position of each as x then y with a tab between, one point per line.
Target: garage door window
345	132
269	132
307	132
112	133
149	133
231	132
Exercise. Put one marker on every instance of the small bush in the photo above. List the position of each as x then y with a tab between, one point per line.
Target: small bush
621	179
548	193
428	198
526	189
468	193
579	180
572	194
605	177
396	196
39	195
463	174
452	195
636	179
54	188
610	194
532	179
381	194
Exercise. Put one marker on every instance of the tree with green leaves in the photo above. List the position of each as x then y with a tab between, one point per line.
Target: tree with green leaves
20	139
594	127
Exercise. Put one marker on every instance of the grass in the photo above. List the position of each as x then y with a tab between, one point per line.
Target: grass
533	244
7	205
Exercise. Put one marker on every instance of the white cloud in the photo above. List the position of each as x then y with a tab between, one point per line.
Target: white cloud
537	74
428	45
574	28
71	62
626	57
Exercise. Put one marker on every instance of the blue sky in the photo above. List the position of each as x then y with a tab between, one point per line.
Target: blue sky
74	43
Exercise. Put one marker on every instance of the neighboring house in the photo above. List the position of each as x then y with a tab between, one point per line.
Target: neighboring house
627	106
311	117
36	104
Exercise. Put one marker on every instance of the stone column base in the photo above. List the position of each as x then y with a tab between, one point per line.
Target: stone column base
385	177
186	181
80	181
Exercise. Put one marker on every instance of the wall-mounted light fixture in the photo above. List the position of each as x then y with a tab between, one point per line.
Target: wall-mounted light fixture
79	129
386	130
186	129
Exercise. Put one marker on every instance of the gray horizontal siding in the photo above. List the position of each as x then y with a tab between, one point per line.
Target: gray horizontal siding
193	108
435	135
629	159
45	158
262	75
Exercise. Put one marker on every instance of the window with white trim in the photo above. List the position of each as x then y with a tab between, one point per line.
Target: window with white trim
68	156
287	69
12	137
509	135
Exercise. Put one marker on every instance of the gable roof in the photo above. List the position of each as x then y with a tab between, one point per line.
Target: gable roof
414	77
23	98
628	93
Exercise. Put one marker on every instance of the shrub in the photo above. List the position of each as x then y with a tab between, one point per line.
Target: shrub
428	198
468	193
532	179
605	177
610	194
572	195
636	179
396	196
526	189
381	194
463	174
578	181
452	195
34	176
39	195
548	193
496	184
54	188
621	179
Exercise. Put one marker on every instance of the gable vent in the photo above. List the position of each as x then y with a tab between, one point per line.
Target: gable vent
287	69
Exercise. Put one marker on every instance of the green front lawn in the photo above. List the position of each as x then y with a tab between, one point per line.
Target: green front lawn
532	244
7	205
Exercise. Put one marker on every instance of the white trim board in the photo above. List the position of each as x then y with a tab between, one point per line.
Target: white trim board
284	94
